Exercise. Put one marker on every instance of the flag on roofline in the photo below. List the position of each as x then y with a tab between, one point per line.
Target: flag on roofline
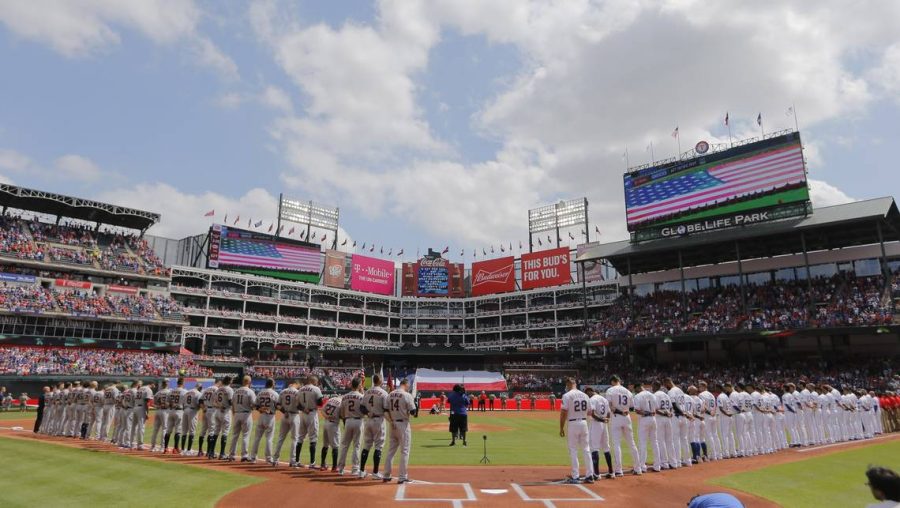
492	249
510	246
675	132
226	218
520	244
501	248
446	250
249	222
314	235
462	252
354	244
280	229
364	246
258	224
272	225
759	119
483	252
291	231
372	248
400	253
390	251
324	238
571	237
726	118
789	112
597	229
540	243
302	234
549	240
236	220
381	250
210	213
344	242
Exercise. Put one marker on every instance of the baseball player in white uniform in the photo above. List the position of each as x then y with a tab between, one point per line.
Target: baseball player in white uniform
208	404
877	424
221	419
681	425
243	402
110	394
175	416
692	407
621	402
646	407
193	399
598	432
331	433
310	400
289	401
573	414
400	405
809	419
665	419
142	395
352	416
373	404
266	403
161	416
710	410
741	400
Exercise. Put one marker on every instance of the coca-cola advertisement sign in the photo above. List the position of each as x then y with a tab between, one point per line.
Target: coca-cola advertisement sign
546	268
494	276
372	275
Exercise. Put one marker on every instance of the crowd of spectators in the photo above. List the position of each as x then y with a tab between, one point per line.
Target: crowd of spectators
21	298
841	300
108	250
33	361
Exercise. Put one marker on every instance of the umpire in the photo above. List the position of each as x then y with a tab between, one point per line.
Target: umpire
459	418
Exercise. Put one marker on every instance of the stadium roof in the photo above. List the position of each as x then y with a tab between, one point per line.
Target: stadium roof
32	200
830	227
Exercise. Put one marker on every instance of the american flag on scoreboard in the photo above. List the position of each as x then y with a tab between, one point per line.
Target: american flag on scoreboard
239	252
719	183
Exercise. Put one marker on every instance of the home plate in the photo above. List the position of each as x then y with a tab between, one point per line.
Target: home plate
495	491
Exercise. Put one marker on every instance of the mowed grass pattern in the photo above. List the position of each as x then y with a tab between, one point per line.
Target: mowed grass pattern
45	474
836	479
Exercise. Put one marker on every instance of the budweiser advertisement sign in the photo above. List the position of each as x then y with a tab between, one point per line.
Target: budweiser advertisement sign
546	268
333	275
372	275
494	276
77	284
131	290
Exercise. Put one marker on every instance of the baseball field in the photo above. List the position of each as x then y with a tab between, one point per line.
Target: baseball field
527	458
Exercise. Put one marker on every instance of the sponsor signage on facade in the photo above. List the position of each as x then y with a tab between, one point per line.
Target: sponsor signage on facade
372	275
722	222
546	268
493	276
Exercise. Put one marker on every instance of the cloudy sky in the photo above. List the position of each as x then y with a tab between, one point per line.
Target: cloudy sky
429	123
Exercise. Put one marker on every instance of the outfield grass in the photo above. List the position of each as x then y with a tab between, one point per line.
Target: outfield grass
43	474
832	480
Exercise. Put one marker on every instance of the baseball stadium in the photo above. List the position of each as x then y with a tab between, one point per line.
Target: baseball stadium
742	345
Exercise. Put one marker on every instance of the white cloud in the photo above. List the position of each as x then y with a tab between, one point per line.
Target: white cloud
11	160
887	74
76	167
277	99
230	100
83	28
822	193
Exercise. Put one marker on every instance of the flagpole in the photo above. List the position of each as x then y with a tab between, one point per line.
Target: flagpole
652	156
627	164
796	121
678	138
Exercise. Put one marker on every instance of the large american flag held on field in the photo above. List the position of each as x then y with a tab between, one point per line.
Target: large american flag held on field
244	252
718	183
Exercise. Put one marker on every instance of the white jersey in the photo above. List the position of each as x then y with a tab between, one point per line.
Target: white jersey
576	404
756	400
710	406
688	405
599	407
645	403
620	400
664	403
676	395
725	404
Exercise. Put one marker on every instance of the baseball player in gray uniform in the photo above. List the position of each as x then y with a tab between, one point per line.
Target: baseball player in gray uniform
352	415
331	432
207	403
176	414
49	411
289	400
310	401
128	397
192	402
373	404
243	403
142	396
400	406
69	412
82	410
266	403
221	419
123	415
110	394
161	416
96	412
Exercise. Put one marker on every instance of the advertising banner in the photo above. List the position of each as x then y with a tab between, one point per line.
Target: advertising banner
372	275
131	290
433	275
590	271
77	284
335	269
493	276
15	277
546	268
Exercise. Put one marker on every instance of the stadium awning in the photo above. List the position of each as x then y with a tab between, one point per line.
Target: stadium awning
830	227
429	380
32	200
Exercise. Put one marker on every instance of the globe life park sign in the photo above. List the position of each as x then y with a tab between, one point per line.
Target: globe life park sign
688	228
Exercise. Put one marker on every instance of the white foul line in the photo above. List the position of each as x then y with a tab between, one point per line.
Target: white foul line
822	447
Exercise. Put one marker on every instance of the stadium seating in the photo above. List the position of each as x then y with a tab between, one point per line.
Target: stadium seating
33	361
36	299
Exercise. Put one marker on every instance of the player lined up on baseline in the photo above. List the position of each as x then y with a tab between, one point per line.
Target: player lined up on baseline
684	429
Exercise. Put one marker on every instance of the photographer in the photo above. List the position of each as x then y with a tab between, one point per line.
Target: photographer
459	418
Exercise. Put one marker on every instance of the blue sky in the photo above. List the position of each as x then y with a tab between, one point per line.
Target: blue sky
428	123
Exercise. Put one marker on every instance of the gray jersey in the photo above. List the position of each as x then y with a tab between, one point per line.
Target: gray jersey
161	399
143	395
290	400
128	398
244	399
96	398
310	398
400	404
192	399
267	401
207	397
109	395
374	401
223	397
83	397
176	398
332	409
350	405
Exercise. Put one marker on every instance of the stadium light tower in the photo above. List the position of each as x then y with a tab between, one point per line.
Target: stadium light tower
310	214
563	214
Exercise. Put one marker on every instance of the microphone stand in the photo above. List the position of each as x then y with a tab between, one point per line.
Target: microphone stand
485	459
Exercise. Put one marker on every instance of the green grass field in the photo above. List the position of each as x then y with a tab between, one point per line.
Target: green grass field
833	480
44	474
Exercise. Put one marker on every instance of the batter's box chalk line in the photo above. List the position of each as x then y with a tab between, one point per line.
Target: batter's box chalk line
455	502
549	501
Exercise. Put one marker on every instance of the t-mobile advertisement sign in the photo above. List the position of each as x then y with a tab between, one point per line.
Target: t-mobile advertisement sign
546	268
372	275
